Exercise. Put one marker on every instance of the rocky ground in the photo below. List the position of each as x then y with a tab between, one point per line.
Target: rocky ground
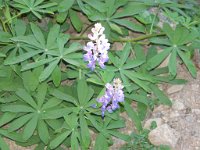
177	126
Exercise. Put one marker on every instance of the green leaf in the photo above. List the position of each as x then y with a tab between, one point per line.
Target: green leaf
20	27
119	135
63	96
52	102
133	115
3	144
59	139
26	97
158	59
21	58
5	36
126	82
71	61
101	143
125	54
62	40
74	141
139	82
130	25
48	70
116	28
65	5
75	20
189	64
61	17
56	76
160	95
85	134
38	34
2	55
19	122
30	127
139	98
41	94
110	7
37	64
52	36
133	63
172	63
82	90
56	113
43	131
116	124
18	108
6	117
73	48
131	9
30	80
139	52
98	5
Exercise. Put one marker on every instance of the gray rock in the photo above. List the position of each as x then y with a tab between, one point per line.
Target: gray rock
178	105
174	89
164	135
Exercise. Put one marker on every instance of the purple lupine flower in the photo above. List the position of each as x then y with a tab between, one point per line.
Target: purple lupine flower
113	95
97	48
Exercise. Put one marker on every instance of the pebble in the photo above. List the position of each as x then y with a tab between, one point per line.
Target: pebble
178	105
174	89
164	135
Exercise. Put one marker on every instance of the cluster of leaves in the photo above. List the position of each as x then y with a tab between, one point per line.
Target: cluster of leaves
48	95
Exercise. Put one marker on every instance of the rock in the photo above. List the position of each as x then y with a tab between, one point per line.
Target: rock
158	121
174	89
164	135
196	111
174	114
178	105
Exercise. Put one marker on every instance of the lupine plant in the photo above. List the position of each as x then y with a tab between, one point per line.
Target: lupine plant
69	69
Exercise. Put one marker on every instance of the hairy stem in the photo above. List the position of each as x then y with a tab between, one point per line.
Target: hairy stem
140	38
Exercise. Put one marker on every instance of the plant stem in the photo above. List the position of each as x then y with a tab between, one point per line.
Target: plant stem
12	18
140	38
3	25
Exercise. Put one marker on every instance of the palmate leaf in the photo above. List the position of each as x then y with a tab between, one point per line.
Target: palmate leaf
176	47
97	11
36	7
